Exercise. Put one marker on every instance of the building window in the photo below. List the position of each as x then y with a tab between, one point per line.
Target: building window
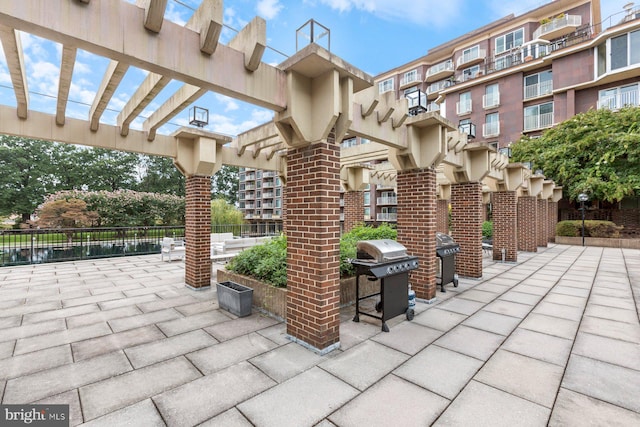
410	77
491	97
539	84
278	203
491	126
509	40
278	183
617	97
349	142
618	52
385	86
464	105
367	213
538	116
470	54
470	73
278	192
367	198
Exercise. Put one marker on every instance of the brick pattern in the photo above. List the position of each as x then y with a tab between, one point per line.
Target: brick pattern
313	243
543	223
353	209
442	216
552	218
466	225
197	231
527	221
505	225
417	226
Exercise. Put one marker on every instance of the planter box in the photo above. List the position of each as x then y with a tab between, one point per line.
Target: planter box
235	298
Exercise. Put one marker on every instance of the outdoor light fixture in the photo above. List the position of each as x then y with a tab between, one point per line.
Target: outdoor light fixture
505	151
198	116
582	197
468	128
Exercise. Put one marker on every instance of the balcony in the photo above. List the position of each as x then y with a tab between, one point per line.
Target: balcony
558	27
249	196
386	217
267	184
435	88
387	200
538	89
267	206
249	187
269	174
540	121
615	102
249	206
463	107
410	79
267	195
491	100
440	71
491	129
471	58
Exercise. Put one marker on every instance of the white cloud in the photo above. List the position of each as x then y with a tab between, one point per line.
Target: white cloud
81	94
174	15
230	104
81	68
268	9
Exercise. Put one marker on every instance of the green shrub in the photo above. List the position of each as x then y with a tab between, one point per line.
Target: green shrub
266	262
592	228
349	240
487	230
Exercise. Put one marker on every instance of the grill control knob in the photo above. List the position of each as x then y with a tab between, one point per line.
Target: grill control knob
389	270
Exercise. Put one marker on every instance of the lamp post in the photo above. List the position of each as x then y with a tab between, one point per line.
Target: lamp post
582	197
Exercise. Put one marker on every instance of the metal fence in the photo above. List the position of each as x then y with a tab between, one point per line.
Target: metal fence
36	246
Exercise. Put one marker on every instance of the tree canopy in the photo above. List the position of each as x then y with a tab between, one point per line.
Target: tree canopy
222	213
597	152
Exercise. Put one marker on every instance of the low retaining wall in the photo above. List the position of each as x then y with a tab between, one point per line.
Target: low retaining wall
599	241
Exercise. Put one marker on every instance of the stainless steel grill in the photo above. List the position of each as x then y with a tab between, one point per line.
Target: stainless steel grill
446	249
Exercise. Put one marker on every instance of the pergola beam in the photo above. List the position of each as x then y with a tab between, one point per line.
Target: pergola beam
15	62
146	92
153	13
66	72
180	100
110	81
207	20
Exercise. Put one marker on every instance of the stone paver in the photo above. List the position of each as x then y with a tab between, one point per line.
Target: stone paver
575	409
144	413
441	320
232	417
26	345
33	362
6	349
101	316
539	346
509	308
164	349
555	326
611	328
16	332
559	310
190	323
408	337
461	306
492	322
118	341
241	326
122	324
286	361
612	313
470	341
609	350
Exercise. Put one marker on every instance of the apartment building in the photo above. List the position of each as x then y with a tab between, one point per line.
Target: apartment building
260	195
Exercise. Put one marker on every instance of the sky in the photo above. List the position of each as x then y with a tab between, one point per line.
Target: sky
372	35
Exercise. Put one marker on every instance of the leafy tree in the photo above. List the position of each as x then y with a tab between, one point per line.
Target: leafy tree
69	169
223	213
65	213
224	184
160	175
109	169
597	152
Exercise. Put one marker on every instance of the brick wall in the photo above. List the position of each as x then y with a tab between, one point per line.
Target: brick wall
505	225
353	209
552	218
197	231
442	216
313	240
466	225
543	223
527	220
417	226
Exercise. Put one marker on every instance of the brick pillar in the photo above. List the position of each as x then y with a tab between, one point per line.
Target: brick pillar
313	245
353	209
527	221
442	216
543	222
417	226
466	225
505	225
552	217
197	231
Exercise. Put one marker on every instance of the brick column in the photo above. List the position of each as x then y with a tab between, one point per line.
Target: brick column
442	216
313	245
505	225
543	222
552	217
353	209
417	226
466	225
197	232
527	221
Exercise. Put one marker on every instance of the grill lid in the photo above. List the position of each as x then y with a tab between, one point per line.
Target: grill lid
381	250
444	240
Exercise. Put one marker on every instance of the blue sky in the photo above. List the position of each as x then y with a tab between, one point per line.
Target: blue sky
373	35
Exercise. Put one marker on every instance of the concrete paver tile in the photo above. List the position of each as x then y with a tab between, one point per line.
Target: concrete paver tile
143	413
357	367
461	306
70	398
67	336
482	405
408	337
430	369
168	348
352	333
192	322
562	299
53	381
520	297
241	326
118	341
231	417
123	302
10	322
44	316
612	313
575	409
131	322
558	310
123	390
555	326
539	346
576	283
611	328
522	376
198	307
509	308
610	301
480	296
300	410
6	349
568	290
33	362
148	307
615	384
101	316
30	308
2	386
470	341
208	396
609	350
618	293
492	322
219	356
443	320
286	361
278	333
404	404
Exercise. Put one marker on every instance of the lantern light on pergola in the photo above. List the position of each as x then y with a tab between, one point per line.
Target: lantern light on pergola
198	116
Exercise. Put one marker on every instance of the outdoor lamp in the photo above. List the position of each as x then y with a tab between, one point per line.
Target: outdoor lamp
582	197
198	116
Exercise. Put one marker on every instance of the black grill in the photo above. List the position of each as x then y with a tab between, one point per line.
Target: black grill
446	249
385	260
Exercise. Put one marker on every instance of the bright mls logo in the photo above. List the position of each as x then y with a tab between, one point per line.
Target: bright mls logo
34	415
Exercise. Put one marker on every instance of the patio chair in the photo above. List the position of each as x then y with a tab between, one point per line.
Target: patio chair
172	247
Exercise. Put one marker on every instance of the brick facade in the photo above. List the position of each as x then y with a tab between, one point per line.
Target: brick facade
417	226
442	216
505	225
353	209
313	244
543	223
197	231
466	225
552	218
527	221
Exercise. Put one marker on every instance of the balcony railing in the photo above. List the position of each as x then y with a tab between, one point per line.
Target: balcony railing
387	217
411	78
268	195
267	184
438	86
269	174
472	57
491	129
540	121
387	200
463	107
538	89
615	102
442	69
491	100
558	27
249	187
